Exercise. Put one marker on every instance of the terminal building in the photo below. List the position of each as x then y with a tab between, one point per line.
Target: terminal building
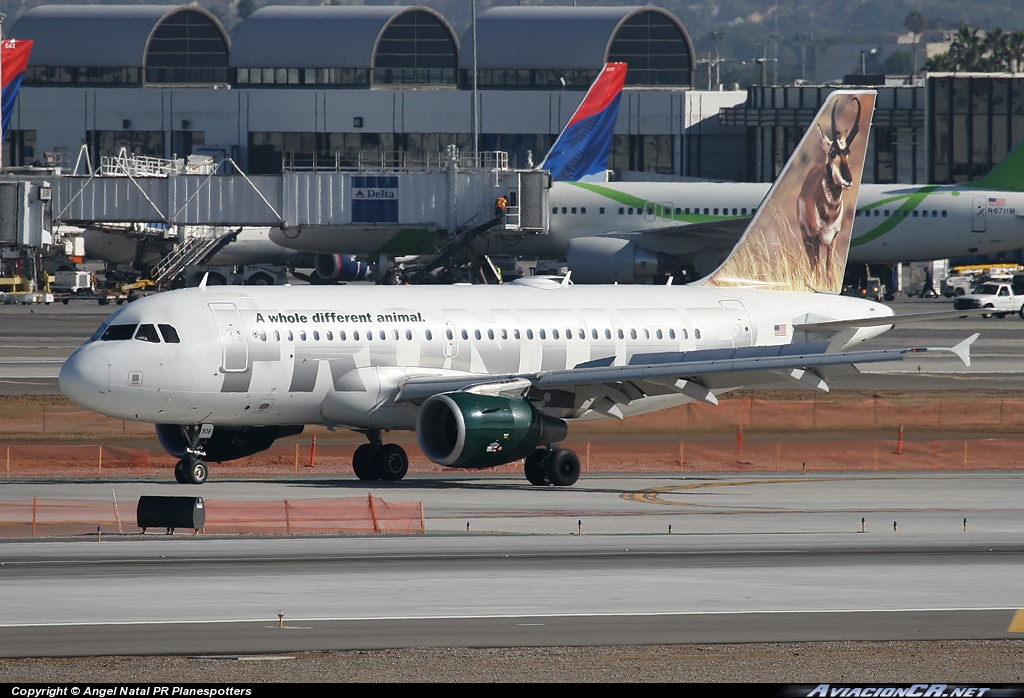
331	83
297	87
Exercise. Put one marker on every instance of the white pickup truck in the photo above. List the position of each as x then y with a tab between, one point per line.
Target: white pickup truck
997	296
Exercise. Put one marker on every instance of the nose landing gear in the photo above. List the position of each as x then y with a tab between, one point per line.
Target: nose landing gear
192	470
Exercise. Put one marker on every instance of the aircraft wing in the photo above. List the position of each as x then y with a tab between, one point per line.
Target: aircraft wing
688	239
695	373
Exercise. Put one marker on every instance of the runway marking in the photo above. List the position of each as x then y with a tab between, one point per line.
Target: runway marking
653	495
510	616
1017	624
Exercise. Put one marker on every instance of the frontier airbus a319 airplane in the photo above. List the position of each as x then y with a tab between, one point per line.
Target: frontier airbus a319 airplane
487	375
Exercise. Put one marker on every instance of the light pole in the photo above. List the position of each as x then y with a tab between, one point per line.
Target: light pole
717	37
863	63
775	67
804	38
475	110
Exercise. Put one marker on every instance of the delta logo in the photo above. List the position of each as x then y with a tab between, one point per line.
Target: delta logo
378	194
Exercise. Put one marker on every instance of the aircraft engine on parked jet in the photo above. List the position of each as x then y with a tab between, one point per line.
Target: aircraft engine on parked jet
341	267
608	260
465	430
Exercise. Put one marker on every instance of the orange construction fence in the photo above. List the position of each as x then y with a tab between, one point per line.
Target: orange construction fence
768	455
741	451
812	413
73	517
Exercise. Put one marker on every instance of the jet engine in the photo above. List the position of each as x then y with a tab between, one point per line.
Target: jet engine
340	267
465	430
607	260
226	443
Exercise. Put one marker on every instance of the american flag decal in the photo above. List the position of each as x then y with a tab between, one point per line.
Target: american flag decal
996	202
780	330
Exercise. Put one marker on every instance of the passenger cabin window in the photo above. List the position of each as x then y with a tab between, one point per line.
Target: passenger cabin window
147	333
116	333
170	334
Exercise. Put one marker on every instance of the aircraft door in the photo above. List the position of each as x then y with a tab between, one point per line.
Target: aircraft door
739	323
233	342
649	212
979	219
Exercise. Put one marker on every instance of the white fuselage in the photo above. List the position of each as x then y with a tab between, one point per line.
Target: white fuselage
895	222
339	355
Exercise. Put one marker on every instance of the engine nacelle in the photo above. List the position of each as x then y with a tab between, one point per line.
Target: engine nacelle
607	260
464	430
226	443
340	267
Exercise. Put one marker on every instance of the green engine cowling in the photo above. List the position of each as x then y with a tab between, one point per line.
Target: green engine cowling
464	430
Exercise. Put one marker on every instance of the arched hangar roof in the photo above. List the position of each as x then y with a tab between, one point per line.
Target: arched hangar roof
117	35
333	36
537	38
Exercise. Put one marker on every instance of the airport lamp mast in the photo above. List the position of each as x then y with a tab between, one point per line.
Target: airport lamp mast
476	102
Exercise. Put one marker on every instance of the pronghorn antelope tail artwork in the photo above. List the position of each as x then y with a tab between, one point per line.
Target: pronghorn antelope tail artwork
800	240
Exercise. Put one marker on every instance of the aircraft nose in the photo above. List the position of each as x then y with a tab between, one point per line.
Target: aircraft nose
84	378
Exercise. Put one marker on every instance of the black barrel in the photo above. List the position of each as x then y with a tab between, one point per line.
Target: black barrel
171	512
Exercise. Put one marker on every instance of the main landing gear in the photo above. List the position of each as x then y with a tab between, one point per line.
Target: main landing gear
379	461
192	470
552	466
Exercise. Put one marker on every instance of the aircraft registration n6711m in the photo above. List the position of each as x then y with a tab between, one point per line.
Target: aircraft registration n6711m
488	375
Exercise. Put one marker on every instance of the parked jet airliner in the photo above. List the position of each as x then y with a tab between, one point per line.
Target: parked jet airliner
631	231
490	375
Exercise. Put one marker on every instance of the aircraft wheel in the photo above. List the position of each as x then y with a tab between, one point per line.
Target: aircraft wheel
180	469
362	463
197	472
562	467
391	461
533	468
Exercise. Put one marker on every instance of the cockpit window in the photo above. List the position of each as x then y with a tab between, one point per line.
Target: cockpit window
116	333
147	333
170	334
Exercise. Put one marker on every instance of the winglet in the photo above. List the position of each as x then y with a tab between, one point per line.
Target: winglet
583	146
202	284
963	349
799	238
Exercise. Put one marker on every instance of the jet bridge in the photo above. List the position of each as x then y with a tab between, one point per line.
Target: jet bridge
369	208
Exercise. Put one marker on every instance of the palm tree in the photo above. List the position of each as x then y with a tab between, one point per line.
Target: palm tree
995	51
1015	50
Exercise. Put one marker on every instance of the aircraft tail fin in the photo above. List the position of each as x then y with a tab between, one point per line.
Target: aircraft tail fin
799	238
1007	175
583	146
14	55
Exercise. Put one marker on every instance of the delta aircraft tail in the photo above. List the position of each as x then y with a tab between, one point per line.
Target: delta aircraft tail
583	146
799	238
14	55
